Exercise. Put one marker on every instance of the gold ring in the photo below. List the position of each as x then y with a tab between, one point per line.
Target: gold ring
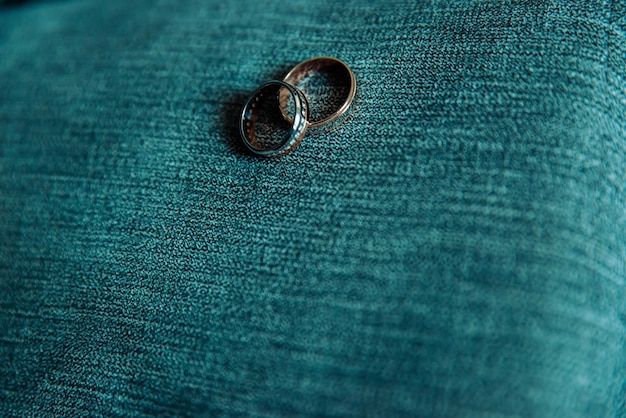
322	64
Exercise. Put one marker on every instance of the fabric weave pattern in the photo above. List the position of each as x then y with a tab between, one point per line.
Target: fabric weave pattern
456	248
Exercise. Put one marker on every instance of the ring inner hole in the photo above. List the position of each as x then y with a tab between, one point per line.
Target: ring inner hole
266	126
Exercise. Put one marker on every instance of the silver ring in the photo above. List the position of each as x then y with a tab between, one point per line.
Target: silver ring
260	143
316	64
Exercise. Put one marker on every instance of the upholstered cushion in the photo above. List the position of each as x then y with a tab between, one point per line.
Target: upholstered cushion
456	248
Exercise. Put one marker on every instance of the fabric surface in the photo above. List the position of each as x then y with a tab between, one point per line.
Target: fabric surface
456	248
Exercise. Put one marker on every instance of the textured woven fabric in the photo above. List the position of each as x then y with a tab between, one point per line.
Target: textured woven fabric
456	248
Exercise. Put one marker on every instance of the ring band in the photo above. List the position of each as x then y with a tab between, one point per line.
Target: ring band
251	111
308	66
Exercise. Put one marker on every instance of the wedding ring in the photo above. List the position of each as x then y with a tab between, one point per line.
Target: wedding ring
264	128
342	93
275	118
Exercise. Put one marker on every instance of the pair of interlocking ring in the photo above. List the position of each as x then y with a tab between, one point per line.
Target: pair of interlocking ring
277	115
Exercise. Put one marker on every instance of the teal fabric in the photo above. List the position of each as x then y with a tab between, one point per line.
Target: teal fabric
456	248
